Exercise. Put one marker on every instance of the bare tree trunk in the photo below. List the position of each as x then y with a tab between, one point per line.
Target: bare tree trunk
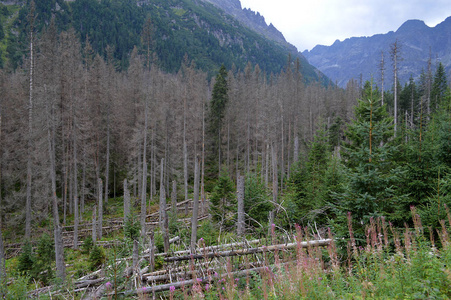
185	154
240	198
83	182
153	171
135	256
100	208
107	167
94	224
296	150
144	177
139	167
282	162
267	167
274	185
394	51
143	202
30	127
162	196
151	252
382	69
174	199
126	202
75	187
195	207
202	187
166	232
58	239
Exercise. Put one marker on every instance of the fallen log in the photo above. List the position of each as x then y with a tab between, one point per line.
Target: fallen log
249	250
180	284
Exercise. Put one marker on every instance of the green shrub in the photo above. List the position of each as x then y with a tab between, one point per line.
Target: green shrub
208	232
26	259
17	289
132	227
87	246
45	255
97	257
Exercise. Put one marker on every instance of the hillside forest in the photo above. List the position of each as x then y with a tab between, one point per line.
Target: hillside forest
78	131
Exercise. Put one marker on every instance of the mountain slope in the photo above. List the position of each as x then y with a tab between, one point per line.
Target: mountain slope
206	33
256	22
357	56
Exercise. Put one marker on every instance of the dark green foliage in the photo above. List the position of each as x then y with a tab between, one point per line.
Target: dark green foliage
2	33
45	256
26	259
312	182
197	29
372	175
132	227
336	133
256	203
88	244
223	201
38	265
439	87
159	242
409	99
216	112
97	258
208	233
174	223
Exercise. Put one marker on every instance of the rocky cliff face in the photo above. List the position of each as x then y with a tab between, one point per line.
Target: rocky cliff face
252	20
361	56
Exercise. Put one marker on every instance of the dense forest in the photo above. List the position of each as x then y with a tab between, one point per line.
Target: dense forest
209	36
78	133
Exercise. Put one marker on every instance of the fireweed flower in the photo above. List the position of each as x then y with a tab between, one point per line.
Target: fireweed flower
172	288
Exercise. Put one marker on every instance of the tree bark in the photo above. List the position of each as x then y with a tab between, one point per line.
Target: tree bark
126	202
272	214
296	150
100	223
174	199
240	198
94	224
162	196
75	187
31	18
58	239
195	207
143	201
152	252
107	163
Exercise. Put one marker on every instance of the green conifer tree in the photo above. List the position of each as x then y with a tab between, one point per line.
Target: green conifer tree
223	201
216	115
371	172
439	86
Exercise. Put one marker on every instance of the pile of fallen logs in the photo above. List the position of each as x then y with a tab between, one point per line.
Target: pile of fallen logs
182	269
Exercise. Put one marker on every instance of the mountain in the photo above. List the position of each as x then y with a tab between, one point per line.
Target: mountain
209	32
357	56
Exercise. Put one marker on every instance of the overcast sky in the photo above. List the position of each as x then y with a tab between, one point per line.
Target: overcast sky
307	23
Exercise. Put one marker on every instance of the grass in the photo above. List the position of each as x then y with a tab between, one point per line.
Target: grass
392	265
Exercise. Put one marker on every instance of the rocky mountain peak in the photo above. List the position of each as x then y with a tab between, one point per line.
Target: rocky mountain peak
358	57
412	26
